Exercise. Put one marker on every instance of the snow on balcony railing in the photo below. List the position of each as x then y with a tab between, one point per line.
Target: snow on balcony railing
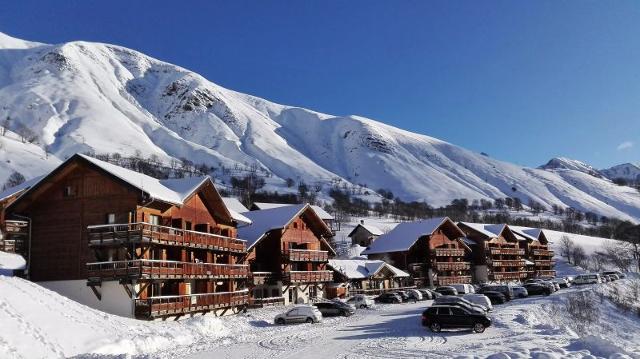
149	268
110	234
448	252
506	251
452	265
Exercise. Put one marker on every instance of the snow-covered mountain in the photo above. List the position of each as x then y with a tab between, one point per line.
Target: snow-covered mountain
82	96
570	164
627	171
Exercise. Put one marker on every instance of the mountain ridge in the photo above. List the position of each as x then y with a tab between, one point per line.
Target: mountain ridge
83	96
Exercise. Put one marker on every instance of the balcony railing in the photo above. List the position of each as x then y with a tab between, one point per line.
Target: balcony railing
452	266
545	273
307	276
183	304
258	278
448	252
304	255
116	234
148	268
516	275
506	263
376	291
266	302
445	280
544	263
507	251
543	252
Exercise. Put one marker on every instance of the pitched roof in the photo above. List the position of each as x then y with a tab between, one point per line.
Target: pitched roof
525	233
405	234
363	268
370	228
266	220
492	230
236	208
19	188
324	215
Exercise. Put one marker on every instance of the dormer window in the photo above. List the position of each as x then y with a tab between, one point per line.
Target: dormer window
68	191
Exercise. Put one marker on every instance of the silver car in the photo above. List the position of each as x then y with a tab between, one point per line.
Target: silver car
299	314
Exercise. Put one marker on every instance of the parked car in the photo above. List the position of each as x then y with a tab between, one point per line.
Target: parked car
563	283
537	289
463	288
426	294
506	290
592	278
479	299
414	294
360	301
519	291
460	302
405	296
447	290
543	282
299	314
440	317
495	297
334	308
435	294
388	298
618	273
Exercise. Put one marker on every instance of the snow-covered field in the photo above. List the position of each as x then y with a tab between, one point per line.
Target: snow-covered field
37	323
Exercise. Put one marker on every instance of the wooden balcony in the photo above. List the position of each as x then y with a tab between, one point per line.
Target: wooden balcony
446	280
159	269
304	255
506	263
164	306
307	276
377	291
443	266
119	234
543	252
545	273
258	278
506	251
448	252
544	263
515	275
266	302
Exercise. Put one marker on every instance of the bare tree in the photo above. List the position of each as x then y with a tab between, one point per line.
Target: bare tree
566	247
13	180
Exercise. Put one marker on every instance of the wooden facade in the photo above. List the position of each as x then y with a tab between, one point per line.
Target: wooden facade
536	250
172	258
498	252
289	264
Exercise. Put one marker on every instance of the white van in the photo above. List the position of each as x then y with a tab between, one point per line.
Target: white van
463	288
591	278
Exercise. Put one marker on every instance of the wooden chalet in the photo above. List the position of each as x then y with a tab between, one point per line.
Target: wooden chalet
497	256
364	234
14	233
328	219
288	251
432	251
537	253
364	276
133	245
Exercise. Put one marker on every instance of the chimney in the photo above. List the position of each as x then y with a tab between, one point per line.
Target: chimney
362	221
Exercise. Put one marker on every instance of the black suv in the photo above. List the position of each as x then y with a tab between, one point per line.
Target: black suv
440	317
506	290
335	308
388	298
537	289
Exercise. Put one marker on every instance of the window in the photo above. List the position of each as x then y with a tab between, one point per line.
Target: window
68	191
444	311
155	220
295	225
187	226
458	311
111	218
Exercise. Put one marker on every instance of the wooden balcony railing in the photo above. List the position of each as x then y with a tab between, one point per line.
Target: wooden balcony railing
265	302
117	234
507	251
515	275
543	252
149	268
258	278
506	263
452	266
448	252
376	291
545	273
307	276
182	304
544	263
445	280
304	255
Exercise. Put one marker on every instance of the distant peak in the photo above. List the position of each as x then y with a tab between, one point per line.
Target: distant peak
10	42
570	164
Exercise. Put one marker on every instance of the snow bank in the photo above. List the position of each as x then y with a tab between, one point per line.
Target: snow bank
38	323
10	262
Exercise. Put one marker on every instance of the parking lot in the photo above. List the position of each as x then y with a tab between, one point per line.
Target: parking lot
521	328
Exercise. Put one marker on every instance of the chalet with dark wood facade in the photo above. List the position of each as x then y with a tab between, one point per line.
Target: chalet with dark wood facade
537	253
432	251
14	233
328	219
133	245
364	234
288	251
497	256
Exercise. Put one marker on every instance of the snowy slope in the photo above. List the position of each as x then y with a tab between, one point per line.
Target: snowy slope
82	96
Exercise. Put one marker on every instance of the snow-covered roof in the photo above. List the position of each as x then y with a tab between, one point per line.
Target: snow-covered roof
236	208
324	215
370	228
173	191
404	235
528	262
19	188
354	252
468	241
489	230
363	268
525	233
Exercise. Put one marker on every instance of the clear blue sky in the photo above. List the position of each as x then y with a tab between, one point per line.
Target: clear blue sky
521	80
